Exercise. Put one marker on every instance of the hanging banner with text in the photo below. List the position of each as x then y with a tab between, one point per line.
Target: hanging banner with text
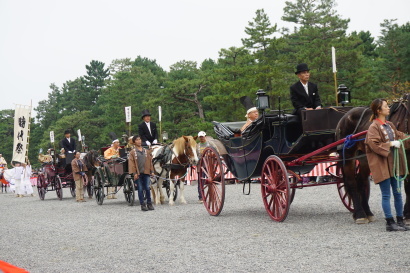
128	114
21	132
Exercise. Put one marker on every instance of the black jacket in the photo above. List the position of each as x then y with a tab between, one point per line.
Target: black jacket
301	100
145	134
68	146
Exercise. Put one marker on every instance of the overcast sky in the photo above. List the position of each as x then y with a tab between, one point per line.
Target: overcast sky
50	41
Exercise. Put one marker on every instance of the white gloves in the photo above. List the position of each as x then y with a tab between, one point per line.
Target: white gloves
395	143
155	141
148	143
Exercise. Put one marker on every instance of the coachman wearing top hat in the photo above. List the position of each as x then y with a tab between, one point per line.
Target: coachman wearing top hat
304	94
147	130
68	143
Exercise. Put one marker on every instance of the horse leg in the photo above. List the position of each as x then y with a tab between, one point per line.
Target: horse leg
353	189
159	196
171	190
364	188
181	191
153	193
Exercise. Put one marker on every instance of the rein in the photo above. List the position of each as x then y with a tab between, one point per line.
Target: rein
360	120
396	164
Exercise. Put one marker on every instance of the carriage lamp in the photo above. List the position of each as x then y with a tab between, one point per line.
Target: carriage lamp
343	95
165	135
262	101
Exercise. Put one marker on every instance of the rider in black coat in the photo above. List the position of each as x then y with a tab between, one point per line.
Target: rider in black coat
302	99
149	135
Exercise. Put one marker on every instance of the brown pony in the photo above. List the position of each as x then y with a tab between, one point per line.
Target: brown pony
183	154
355	166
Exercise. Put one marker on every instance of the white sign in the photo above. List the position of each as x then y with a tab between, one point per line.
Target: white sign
79	135
21	132
128	114
159	113
334	59
52	136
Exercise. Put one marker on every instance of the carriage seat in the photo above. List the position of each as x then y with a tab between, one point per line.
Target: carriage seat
223	131
284	118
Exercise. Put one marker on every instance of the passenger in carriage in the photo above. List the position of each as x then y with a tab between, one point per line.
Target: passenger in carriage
381	140
251	115
140	164
112	153
304	94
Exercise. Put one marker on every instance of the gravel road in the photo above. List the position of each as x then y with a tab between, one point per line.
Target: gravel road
319	235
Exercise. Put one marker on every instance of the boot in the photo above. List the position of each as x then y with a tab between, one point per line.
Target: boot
401	223
150	206
392	226
144	207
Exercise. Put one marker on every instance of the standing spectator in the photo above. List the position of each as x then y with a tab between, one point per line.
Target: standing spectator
140	164
68	143
147	129
3	162
381	139
79	168
304	94
26	183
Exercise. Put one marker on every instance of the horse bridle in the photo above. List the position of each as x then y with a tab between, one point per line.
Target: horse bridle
402	102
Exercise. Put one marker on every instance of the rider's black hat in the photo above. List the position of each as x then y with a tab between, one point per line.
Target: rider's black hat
67	132
145	113
301	68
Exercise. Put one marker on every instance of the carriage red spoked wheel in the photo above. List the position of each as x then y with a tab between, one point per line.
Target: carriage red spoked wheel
275	188
212	181
59	187
41	186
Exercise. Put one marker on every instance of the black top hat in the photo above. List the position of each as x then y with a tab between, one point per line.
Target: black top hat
145	113
67	132
247	102
112	135
301	68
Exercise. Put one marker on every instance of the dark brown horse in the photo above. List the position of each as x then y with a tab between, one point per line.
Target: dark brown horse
355	166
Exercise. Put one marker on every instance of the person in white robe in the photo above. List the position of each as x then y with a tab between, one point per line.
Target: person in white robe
25	181
17	176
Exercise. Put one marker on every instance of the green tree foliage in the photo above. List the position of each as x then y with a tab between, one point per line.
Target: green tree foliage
394	52
7	132
95	79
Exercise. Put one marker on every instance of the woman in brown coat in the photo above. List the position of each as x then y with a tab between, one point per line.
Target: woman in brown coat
381	140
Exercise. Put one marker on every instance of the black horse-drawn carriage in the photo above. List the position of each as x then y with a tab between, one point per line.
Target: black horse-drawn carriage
277	148
111	175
